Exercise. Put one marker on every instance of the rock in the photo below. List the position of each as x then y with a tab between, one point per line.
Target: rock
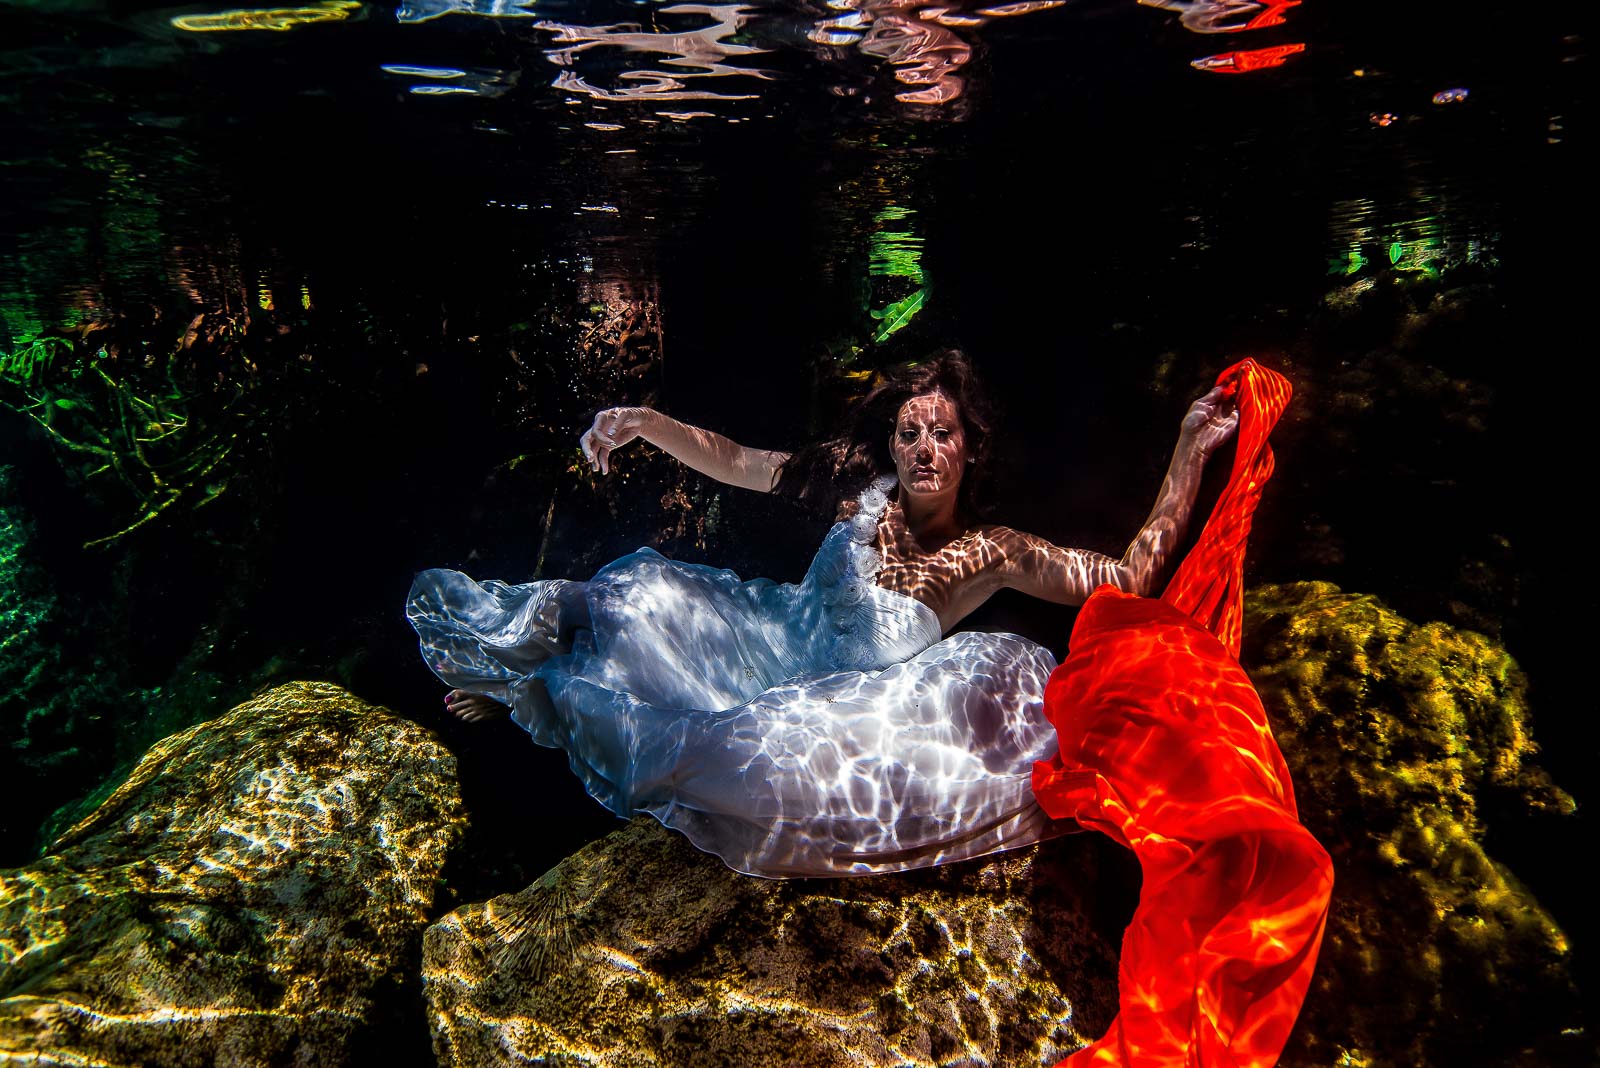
640	950
1399	736
238	898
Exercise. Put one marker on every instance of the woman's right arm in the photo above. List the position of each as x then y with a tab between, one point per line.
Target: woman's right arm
710	454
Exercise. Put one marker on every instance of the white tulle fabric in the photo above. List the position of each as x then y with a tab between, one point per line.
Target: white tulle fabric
793	730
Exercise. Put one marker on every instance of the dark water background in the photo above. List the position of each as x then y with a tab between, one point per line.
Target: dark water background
1101	224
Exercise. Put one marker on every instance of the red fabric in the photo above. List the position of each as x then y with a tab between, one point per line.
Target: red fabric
1272	16
1164	746
1209	584
1245	62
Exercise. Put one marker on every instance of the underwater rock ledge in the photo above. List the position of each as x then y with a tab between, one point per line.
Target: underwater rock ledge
1402	738
1405	741
640	950
238	898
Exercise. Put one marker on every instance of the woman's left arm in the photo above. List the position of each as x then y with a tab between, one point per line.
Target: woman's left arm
1068	576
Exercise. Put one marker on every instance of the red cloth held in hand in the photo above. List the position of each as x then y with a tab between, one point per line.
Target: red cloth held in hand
1164	746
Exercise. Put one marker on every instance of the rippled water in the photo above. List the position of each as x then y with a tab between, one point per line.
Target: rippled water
409	250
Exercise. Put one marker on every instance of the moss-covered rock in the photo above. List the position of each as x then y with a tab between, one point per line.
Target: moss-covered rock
640	950
1399	737
238	898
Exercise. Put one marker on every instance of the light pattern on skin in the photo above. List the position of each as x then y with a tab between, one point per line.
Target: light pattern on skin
956	578
953	569
819	728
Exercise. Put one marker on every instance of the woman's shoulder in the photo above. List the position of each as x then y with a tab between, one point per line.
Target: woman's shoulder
993	532
999	545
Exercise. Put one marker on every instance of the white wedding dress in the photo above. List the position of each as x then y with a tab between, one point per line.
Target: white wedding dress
816	729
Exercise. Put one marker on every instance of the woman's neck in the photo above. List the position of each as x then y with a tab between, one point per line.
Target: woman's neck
932	521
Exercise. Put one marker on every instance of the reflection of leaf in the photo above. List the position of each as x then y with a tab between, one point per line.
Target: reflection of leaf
1396	250
1350	263
898	314
896	254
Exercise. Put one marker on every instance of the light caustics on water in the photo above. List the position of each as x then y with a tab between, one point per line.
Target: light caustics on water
928	48
692	54
928	53
427	10
1226	16
276	18
451	81
922	45
1234	16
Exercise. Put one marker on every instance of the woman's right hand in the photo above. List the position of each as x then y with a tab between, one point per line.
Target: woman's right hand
1210	422
612	429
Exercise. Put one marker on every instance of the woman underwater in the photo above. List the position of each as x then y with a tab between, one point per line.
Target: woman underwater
822	728
825	728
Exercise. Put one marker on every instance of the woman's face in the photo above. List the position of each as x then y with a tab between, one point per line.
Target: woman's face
929	446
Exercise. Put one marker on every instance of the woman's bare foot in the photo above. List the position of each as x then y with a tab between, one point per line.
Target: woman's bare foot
474	707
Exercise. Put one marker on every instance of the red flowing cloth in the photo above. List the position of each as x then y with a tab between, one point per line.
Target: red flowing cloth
1164	746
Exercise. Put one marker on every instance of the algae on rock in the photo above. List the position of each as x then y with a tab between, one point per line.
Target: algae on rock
1397	735
238	898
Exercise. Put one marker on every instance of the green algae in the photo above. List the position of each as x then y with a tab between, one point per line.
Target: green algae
1404	740
159	427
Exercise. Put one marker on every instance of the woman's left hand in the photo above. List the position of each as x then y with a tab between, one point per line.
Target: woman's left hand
1210	422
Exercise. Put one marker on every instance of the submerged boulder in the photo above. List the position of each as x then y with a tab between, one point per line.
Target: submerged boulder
1402	739
238	898
640	950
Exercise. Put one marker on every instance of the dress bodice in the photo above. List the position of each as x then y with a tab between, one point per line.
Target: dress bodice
870	627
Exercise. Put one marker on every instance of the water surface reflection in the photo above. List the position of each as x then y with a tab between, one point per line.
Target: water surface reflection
928	49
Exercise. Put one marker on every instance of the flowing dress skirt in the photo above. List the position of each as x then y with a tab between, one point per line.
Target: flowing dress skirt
818	728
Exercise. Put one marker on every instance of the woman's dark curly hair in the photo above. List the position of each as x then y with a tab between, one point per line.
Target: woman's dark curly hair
824	473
